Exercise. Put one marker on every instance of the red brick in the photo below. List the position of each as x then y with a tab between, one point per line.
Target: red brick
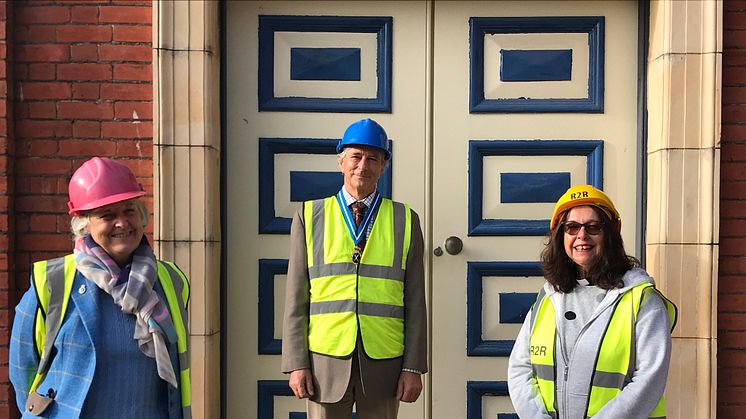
86	129
125	14
84	33
87	148
733	152
43	166
84	14
141	169
43	110
735	190
734	20
135	72
135	129
43	129
42	53
734	133
731	113
126	33
134	148
42	71
120	52
35	33
732	208
733	303
3	69
42	14
133	110
126	91
734	76
734	58
730	227
20	71
43	223
38	148
84	52
732	339
48	242
84	72
734	39
42	185
86	90
733	246
734	5
732	265
44	91
85	110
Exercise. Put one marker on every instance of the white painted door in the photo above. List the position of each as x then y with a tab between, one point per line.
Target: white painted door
280	149
492	112
501	158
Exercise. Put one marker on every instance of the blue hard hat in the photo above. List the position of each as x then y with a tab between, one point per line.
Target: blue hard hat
365	132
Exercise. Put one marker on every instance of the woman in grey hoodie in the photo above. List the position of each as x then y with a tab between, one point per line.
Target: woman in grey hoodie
597	342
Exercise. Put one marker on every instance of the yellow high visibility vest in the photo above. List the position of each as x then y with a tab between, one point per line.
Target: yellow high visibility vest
344	294
615	363
53	281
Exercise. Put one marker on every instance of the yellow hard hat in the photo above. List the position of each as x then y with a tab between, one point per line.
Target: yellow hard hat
584	195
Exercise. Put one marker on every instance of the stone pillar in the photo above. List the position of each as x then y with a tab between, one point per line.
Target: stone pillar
186	67
683	154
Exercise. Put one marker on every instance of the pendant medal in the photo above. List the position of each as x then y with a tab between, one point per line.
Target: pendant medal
356	255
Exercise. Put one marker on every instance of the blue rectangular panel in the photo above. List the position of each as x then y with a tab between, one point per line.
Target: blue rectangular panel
535	65
325	64
514	306
305	186
533	187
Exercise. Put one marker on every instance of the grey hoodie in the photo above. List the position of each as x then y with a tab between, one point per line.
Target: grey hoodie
574	369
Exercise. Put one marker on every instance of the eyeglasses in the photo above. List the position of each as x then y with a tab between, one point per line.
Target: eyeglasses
572	228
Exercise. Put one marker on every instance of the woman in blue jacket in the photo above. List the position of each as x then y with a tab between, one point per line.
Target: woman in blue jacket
102	332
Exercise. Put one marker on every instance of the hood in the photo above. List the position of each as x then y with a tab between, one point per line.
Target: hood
635	276
631	278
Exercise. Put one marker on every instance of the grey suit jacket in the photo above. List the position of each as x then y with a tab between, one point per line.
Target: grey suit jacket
331	374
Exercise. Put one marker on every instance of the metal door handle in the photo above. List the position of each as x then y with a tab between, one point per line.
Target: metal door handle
454	245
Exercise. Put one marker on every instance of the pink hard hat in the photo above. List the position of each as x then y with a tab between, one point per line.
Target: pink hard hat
101	181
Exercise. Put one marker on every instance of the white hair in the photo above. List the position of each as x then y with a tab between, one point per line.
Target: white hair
79	223
341	156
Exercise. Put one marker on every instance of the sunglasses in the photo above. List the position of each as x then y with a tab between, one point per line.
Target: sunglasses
572	228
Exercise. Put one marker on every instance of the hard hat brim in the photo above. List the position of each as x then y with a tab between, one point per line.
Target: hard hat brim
111	199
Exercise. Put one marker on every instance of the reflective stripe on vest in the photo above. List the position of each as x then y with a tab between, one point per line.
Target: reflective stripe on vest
615	362
53	280
343	294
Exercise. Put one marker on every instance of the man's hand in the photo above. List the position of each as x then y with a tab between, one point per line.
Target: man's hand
409	387
301	382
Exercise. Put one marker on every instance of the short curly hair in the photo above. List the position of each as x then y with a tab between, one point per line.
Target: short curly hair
79	223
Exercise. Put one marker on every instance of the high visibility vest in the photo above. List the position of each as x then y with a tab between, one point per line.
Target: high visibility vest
616	357
344	294
53	281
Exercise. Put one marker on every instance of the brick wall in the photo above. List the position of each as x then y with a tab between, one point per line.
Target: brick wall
82	86
732	271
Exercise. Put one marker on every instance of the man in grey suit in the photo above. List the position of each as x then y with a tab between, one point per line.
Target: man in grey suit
355	325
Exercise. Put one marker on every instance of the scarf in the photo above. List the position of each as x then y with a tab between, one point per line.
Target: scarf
132	290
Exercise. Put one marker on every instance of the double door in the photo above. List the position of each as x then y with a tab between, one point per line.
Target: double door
493	108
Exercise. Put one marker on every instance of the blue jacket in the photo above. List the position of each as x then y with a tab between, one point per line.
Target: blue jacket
71	371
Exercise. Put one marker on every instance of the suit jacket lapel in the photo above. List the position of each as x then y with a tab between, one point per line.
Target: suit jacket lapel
85	295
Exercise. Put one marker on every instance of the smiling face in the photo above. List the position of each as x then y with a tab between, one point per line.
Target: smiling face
583	248
118	229
361	167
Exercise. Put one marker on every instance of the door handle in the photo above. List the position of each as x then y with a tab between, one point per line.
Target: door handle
453	246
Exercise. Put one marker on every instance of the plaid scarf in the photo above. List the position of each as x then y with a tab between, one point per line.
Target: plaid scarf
132	289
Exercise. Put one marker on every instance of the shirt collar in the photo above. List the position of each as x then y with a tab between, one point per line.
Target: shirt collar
349	199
